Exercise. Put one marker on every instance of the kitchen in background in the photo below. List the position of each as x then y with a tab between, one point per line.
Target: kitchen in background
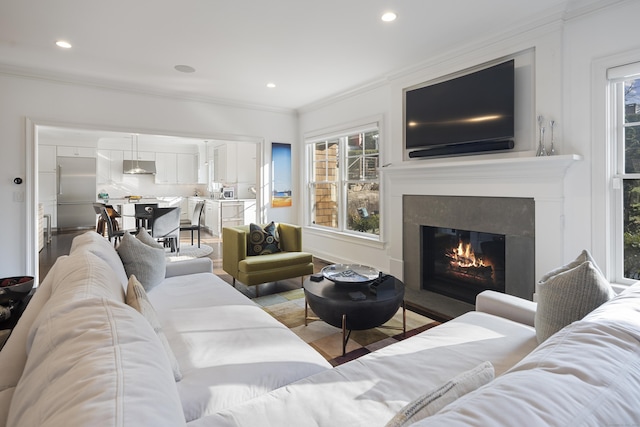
186	170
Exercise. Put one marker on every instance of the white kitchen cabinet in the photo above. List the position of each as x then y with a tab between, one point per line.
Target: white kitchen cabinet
69	151
246	163
166	168
223	213
109	166
209	218
47	186
187	168
220	164
47	158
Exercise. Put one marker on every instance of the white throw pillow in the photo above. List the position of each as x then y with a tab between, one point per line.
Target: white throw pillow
146	262
432	402
569	296
137	298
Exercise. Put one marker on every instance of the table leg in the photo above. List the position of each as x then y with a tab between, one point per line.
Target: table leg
344	330
306	312
404	319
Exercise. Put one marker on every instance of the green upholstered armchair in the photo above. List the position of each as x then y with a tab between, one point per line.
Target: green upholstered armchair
254	270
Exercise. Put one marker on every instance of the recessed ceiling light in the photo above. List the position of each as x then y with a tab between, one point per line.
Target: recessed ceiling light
63	44
184	69
271	85
389	16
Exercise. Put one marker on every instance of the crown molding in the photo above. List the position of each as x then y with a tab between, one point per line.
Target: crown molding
77	80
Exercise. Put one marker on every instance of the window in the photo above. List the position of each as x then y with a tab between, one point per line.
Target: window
625	120
344	185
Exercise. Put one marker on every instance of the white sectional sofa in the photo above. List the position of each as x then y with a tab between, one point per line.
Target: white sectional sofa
80	356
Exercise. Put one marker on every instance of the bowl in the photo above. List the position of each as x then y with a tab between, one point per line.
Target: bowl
350	273
14	289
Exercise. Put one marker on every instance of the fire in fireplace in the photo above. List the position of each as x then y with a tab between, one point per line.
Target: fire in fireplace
462	263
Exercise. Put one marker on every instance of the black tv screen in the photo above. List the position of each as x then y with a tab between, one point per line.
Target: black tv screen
471	108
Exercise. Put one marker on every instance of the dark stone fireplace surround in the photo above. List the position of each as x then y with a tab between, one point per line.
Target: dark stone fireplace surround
513	217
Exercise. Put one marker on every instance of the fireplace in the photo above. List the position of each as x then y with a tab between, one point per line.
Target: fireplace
462	263
441	232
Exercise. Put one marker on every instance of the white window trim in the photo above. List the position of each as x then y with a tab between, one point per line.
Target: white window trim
603	238
319	135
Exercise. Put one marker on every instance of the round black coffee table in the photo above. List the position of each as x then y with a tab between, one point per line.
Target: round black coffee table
354	306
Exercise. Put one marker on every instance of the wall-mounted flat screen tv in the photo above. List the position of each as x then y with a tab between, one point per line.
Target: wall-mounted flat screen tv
473	109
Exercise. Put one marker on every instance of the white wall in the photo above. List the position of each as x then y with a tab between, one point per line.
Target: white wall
564	54
64	104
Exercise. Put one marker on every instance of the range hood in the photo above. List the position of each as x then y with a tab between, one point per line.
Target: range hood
139	167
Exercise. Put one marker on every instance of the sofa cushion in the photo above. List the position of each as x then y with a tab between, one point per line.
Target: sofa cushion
370	390
229	349
147	263
569	296
433	401
98	245
101	356
274	261
263	241
137	298
587	374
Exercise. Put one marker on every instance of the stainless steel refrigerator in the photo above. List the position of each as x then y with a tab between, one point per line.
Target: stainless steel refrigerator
76	192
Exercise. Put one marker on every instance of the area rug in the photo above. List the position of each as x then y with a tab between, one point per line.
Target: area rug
189	252
288	308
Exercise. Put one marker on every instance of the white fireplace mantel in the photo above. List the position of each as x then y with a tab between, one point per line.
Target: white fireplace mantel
539	178
529	168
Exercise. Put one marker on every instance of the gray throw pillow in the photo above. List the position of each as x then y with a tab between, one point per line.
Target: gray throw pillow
144	236
146	262
568	297
584	256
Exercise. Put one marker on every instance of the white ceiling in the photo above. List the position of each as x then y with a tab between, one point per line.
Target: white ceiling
310	49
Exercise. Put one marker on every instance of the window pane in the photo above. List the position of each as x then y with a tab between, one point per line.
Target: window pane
632	149
324	209
363	207
325	161
631	223
362	156
632	101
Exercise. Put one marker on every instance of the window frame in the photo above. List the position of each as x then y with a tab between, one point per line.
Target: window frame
341	133
616	77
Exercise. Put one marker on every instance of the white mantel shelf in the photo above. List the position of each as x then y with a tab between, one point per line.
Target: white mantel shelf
530	168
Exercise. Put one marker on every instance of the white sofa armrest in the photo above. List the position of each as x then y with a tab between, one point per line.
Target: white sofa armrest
508	306
190	266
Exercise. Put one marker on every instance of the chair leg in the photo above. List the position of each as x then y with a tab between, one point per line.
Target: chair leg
198	238
192	239
233	282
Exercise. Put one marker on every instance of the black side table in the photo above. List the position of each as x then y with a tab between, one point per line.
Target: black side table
354	306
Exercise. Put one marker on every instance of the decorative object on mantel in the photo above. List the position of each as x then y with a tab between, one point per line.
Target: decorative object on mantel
541	149
552	125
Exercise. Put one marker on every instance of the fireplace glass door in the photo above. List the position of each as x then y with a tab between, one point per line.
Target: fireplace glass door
462	263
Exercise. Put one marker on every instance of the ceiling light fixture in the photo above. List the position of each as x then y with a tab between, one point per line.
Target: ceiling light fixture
271	85
185	69
389	16
63	44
